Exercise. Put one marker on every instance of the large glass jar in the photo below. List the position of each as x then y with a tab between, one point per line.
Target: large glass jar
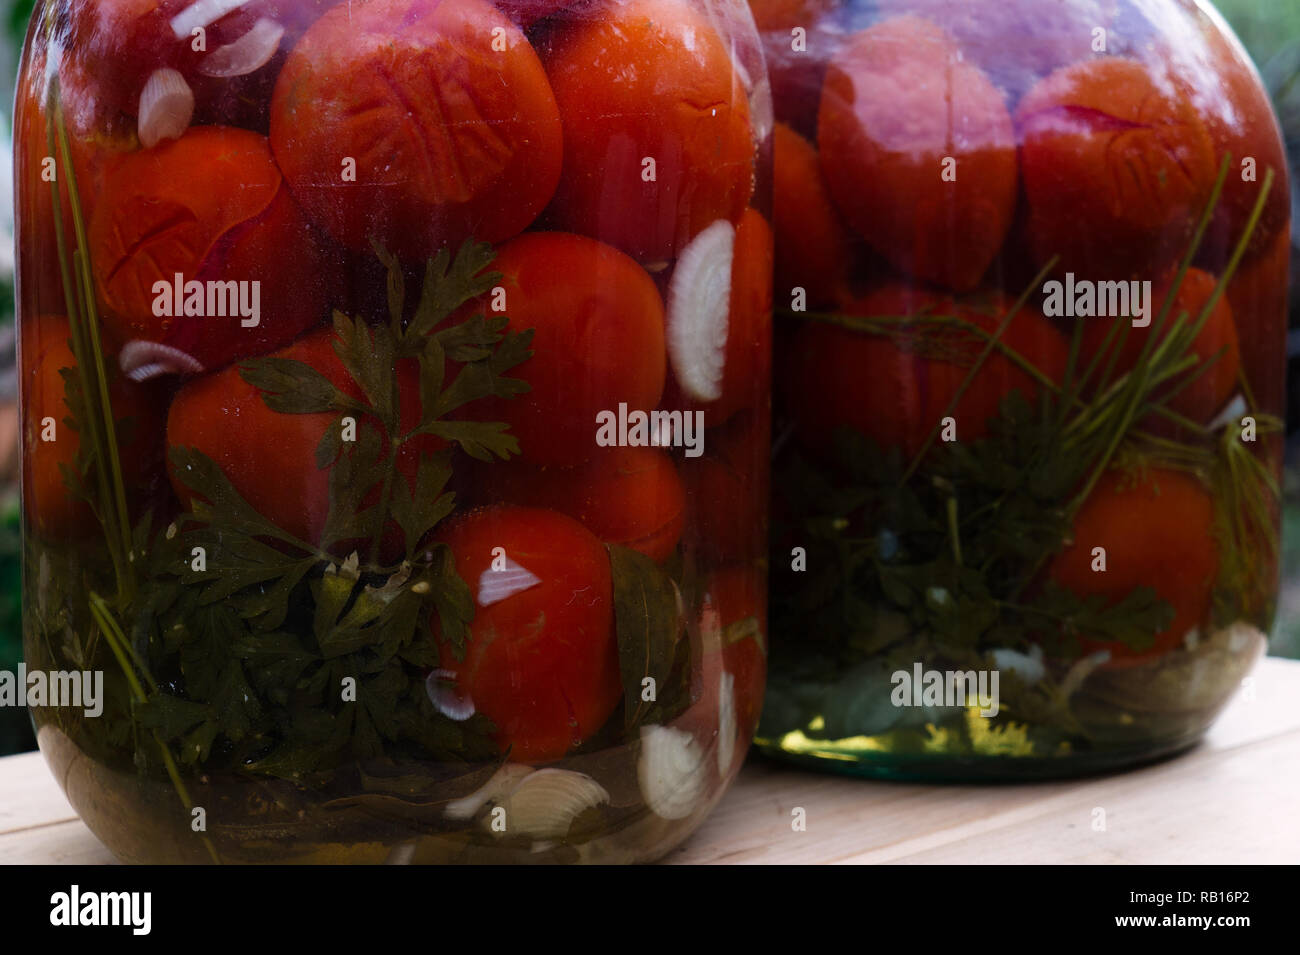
394	383
1030	285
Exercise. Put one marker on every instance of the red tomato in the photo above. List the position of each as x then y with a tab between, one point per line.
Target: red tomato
212	207
49	505
1209	392
648	79
747	356
893	392
627	496
727	490
94	147
812	245
1118	167
918	151
450	137
1158	532
1239	118
1049	34
598	341
733	634
121	42
270	457
542	659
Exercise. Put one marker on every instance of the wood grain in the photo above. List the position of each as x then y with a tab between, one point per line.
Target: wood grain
1230	800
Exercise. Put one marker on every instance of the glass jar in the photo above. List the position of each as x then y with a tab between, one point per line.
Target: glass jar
395	401
1031	289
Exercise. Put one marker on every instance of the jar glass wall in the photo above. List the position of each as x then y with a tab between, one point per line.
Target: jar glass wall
1031	295
396	421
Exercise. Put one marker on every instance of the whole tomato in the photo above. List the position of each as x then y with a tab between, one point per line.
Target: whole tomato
1239	118
746	352
1216	344
598	342
52	441
896	389
542	660
402	121
640	81
1118	166
627	496
212	208
38	171
270	456
1157	530
918	151
1051	34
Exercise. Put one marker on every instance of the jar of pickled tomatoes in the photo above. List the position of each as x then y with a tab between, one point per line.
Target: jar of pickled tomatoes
394	380
1031	280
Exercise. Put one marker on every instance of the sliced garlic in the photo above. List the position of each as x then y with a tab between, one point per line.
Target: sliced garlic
670	771
503	780
166	107
141	360
544	804
250	52
699	306
202	13
496	585
440	685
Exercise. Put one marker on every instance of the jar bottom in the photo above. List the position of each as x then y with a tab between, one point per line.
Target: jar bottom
853	758
252	822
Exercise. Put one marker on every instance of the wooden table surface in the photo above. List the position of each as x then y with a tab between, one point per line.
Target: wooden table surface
1234	799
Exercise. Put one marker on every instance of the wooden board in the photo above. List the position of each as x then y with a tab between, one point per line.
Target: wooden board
1231	800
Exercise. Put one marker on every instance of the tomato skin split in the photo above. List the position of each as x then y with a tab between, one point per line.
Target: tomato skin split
397	121
208	206
1117	167
922	167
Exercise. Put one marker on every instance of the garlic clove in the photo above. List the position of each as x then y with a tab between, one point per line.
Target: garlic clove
503	780
166	107
670	771
699	308
249	53
544	804
201	13
142	360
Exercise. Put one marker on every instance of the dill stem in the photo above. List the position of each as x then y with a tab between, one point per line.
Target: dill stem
117	643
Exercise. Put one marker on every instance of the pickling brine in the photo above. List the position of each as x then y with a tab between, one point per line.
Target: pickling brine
1031	281
324	308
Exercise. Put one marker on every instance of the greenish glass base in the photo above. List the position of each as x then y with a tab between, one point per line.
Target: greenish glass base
851	758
